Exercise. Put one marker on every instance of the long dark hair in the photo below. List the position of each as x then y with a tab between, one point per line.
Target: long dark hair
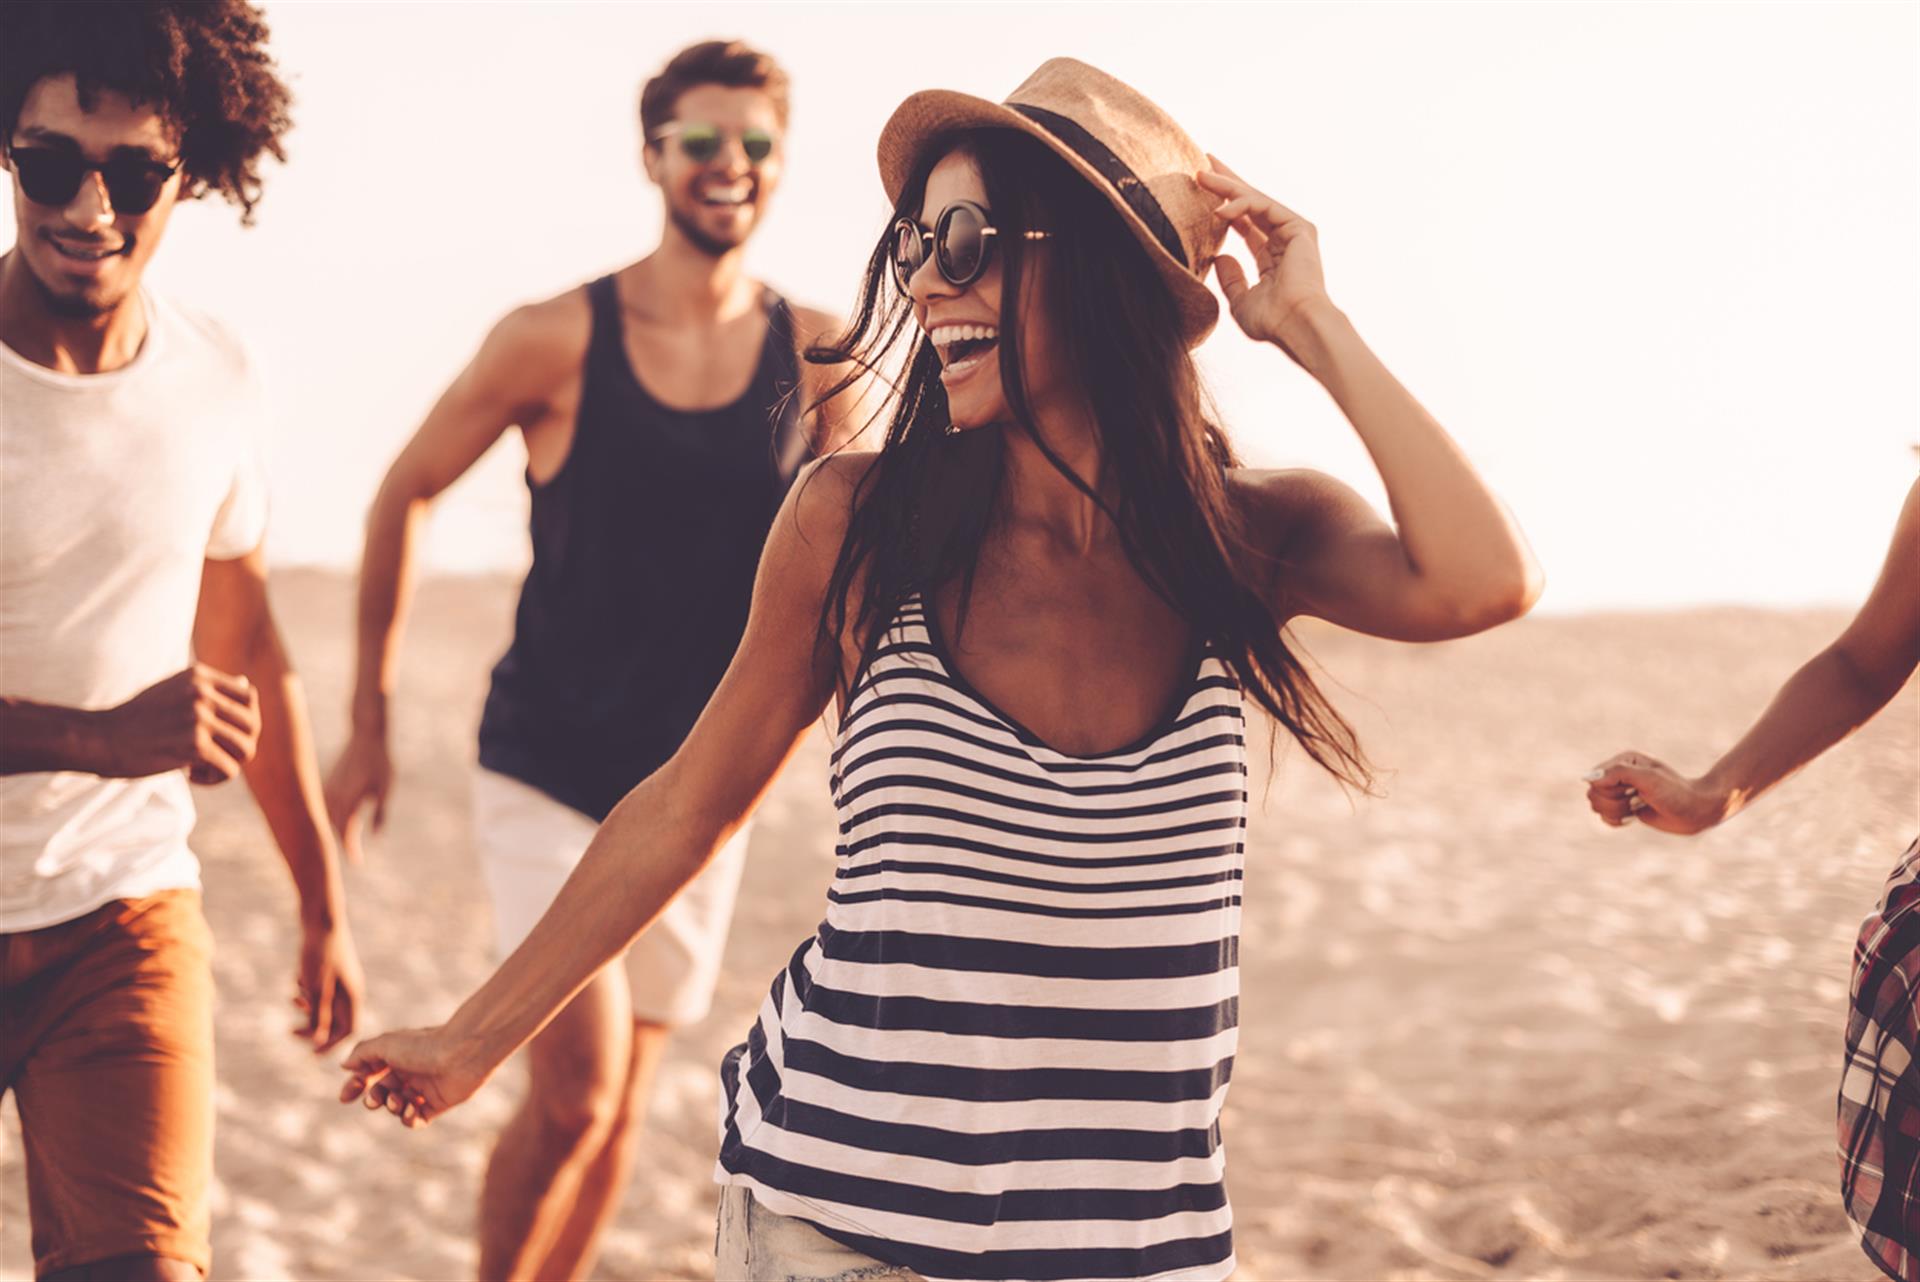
923	510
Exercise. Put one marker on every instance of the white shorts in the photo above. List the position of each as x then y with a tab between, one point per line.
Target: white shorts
529	844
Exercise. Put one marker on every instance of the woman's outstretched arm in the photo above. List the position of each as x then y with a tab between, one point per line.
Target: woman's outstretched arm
660	836
1453	561
1832	695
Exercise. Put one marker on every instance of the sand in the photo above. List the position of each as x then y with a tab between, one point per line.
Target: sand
1483	1035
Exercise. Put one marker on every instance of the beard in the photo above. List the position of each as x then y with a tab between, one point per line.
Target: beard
76	306
710	245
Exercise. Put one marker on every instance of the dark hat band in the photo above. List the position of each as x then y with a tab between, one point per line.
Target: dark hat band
1114	170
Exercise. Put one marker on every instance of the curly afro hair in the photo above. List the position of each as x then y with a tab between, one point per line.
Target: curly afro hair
202	64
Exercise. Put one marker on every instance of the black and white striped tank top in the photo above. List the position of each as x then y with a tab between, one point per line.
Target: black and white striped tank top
1004	1053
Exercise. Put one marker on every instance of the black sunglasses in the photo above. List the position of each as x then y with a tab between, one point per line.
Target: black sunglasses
54	177
700	142
961	240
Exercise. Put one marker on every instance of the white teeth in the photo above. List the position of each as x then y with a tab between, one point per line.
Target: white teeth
735	195
945	334
945	337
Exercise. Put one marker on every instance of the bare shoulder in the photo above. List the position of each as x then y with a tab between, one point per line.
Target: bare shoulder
812	524
825	494
803	550
1295	505
530	357
845	470
551	330
1284	485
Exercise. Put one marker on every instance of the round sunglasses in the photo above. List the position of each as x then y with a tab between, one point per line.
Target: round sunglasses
961	242
54	177
700	142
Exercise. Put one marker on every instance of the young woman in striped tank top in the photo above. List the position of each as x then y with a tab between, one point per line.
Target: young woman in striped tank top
1037	612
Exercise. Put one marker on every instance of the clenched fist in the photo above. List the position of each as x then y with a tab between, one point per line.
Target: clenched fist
202	720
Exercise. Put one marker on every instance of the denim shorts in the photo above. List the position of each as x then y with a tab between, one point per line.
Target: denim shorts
752	1244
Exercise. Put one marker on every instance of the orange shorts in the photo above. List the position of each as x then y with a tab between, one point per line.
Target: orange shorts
106	1040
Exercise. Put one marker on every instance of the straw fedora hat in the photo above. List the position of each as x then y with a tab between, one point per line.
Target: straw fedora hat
1119	141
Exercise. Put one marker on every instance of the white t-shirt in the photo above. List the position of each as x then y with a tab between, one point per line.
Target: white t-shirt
114	489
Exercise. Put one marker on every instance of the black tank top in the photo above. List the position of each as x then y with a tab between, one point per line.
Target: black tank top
644	552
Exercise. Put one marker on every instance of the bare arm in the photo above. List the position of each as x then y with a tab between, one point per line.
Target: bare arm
508	382
44	736
199	719
1453	561
1832	695
662	834
235	631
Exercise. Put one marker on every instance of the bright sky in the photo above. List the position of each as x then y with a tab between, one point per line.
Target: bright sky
1654	266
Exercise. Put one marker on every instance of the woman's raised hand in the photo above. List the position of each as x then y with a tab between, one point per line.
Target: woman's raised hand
1286	254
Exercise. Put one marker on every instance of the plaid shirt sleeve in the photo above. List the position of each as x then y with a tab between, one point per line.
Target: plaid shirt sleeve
1879	1123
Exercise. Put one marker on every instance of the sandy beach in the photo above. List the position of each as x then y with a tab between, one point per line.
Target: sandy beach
1483	1036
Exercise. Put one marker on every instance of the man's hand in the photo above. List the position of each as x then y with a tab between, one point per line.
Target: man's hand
201	719
416	1074
328	986
1632	785
357	789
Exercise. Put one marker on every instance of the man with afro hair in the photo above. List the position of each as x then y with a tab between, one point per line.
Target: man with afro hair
137	650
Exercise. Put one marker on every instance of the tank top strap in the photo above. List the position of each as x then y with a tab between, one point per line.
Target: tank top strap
778	380
609	393
781	353
606	345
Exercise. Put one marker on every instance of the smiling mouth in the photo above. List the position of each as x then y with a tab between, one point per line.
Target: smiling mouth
85	253
963	347
728	196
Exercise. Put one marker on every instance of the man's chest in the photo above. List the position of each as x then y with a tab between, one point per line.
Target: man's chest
82	494
696	368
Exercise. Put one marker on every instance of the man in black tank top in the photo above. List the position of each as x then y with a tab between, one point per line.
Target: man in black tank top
662	412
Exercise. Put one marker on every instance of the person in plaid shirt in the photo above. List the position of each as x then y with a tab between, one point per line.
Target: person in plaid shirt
1831	696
